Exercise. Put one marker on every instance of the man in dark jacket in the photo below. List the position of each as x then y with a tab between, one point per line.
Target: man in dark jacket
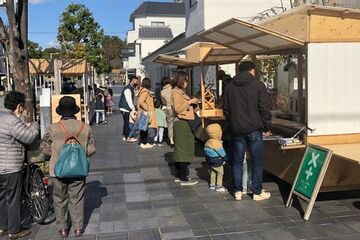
126	104
14	134
247	110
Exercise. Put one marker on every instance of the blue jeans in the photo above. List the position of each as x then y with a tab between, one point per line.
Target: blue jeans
131	130
254	142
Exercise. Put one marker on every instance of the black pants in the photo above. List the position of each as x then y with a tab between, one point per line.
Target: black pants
126	123
10	202
182	170
144	136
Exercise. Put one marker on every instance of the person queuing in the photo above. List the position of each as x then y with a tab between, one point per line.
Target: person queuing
247	110
126	104
166	101
14	135
161	124
68	193
146	105
183	136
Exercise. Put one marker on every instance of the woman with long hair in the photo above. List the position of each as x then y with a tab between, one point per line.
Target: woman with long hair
183	137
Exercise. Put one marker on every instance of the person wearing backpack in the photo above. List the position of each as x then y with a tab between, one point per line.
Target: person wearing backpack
58	141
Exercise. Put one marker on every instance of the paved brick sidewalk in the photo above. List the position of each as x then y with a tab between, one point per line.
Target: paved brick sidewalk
131	195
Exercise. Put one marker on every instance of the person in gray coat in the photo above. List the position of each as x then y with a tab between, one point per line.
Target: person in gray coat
14	135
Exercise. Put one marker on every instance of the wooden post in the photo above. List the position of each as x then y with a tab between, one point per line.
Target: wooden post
202	79
236	68
217	82
300	102
253	58
57	73
190	87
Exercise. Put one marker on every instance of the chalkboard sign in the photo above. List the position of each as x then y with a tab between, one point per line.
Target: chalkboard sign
310	176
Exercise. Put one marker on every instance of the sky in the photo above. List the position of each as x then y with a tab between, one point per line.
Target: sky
112	15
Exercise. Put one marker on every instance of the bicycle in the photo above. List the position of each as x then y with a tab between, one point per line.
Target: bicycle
36	197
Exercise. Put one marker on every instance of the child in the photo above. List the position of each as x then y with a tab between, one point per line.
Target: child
216	157
132	118
109	101
161	124
100	108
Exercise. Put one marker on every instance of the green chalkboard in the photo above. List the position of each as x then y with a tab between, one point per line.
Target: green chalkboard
310	169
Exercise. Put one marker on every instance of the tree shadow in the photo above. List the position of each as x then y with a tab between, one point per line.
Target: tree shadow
93	196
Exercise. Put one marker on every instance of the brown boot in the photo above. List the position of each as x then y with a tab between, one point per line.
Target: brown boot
21	234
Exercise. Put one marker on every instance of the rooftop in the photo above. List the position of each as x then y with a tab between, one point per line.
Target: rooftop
159	9
155	32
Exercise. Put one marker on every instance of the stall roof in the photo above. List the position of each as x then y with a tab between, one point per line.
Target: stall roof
74	67
167	59
41	67
248	38
202	53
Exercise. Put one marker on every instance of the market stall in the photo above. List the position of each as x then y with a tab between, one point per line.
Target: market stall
82	70
326	43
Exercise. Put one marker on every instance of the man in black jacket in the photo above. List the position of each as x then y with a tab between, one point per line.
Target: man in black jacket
247	110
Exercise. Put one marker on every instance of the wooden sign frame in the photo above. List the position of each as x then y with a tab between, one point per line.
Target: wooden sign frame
312	199
55	102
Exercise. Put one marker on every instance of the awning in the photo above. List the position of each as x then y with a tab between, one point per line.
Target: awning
202	53
222	55
248	38
74	67
172	60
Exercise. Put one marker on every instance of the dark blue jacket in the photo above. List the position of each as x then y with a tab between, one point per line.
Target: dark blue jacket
123	103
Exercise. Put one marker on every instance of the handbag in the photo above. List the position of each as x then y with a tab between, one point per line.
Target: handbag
142	122
72	161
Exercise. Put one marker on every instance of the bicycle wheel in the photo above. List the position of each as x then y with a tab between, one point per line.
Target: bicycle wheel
38	200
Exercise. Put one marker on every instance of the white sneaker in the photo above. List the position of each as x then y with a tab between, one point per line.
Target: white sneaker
188	183
145	146
221	189
177	180
124	138
238	196
149	145
262	196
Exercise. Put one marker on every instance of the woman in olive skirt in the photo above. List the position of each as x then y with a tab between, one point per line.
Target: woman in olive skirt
183	137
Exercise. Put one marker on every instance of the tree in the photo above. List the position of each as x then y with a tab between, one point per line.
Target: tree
34	50
81	36
49	52
112	46
14	39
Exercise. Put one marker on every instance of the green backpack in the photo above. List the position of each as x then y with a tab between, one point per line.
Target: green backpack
72	161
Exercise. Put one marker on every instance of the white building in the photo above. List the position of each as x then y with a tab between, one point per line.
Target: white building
154	24
202	15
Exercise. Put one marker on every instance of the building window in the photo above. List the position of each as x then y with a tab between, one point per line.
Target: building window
192	3
157	23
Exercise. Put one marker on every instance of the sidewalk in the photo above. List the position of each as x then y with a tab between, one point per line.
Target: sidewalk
131	195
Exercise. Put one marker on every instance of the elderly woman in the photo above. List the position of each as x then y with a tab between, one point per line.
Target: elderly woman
183	137
166	101
68	193
146	104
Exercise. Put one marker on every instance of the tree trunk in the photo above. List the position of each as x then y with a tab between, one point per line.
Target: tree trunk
17	37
